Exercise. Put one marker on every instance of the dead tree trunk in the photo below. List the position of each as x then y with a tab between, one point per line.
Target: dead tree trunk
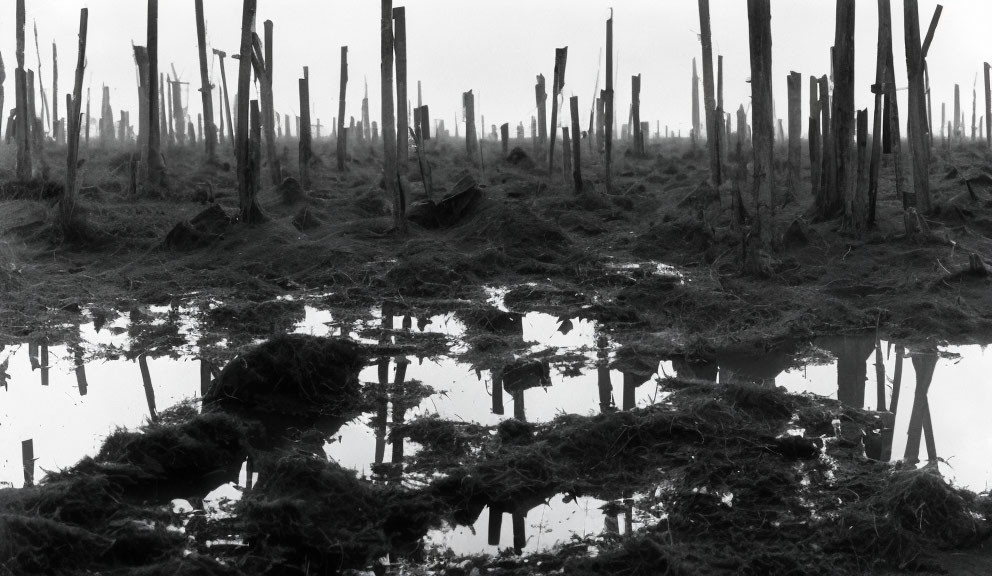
504	135
860	204
815	149
721	123
303	133
795	86
342	150
402	119
24	124
842	131
988	107
141	59
210	137
892	105
763	190
695	104
263	71
393	188
227	95
561	57
878	89
541	95
468	105
155	167
566	151
635	111
826	148
608	104
918	141
56	130
576	148
957	113
250	212
68	204
712	126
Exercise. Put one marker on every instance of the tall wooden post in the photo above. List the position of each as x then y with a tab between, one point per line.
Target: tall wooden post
576	147
155	167
695	104
795	87
56	130
712	126
957	113
974	111
256	150
303	133
24	125
342	149
210	136
27	462
721	123
566	151
504	136
815	150
860	205
68	203
402	118
635	110
263	72
561	56
246	169
227	95
141	59
840	185
608	104
878	89
146	382
763	210
918	141
389	140
541	95
988	106
468	104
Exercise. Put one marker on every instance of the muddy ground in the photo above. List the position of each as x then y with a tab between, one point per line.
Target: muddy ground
801	505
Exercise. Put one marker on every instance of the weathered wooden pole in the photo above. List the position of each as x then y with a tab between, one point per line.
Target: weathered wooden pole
3	80
256	149
695	104
210	137
504	136
155	165
541	96
608	104
389	139
24	124
303	133
261	64
815	146
878	89
402	118
41	84
146	382
795	87
988	106
27	461
974	112
892	106
68	203
576	147
56	130
246	168
957	113
566	151
709	101
721	123
227	95
342	148
839	183
918	140
141	61
763	190
468	105
561	57
860	209
635	110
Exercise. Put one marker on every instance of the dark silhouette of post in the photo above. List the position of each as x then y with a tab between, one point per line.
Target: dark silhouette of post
389	155
576	147
713	113
402	125
56	131
695	104
815	146
795	87
210	136
24	125
839	182
608	104
504	136
860	212
494	527
988	106
27	460
141	60
68	204
155	165
919	142
146	381
957	113
919	420
44	364
878	89
303	130
763	190
561	58
250	213
541	96
879	377
205	376
566	151
342	149
635	111
80	370
227	95
468	104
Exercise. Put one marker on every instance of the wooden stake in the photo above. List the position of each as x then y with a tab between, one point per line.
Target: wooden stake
878	89
826	146
68	203
342	149
24	125
576	148
402	119
561	57
155	165
957	113
210	138
27	460
988	106
504	135
393	189
566	151
146	381
712	124
608	104
860	204
795	87
541	95
56	132
918	141
227	95
303	132
695	103
840	182
242	149
468	105
635	110
763	191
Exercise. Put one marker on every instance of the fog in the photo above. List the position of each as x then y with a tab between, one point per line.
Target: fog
495	48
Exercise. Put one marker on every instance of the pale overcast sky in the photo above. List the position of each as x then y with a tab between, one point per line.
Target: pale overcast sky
496	48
